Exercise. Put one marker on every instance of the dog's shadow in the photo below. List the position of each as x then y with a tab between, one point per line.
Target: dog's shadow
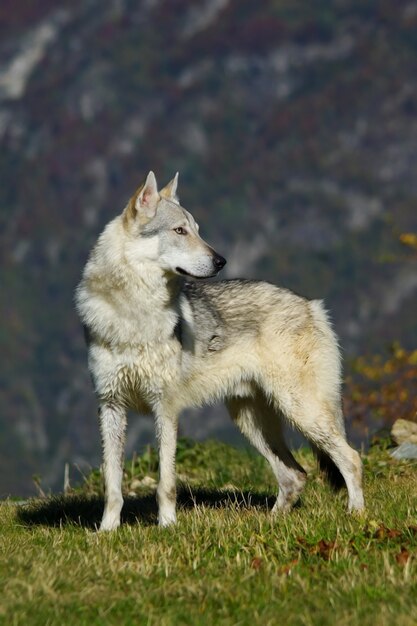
87	511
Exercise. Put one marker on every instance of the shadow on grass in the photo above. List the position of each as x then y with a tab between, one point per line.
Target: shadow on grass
86	511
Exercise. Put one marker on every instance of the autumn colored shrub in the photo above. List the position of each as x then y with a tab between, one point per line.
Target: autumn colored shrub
380	390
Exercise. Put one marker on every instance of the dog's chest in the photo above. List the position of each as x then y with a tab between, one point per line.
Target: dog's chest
136	376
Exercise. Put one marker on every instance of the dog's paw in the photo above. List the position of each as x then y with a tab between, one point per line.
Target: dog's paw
109	523
281	509
356	505
167	519
358	513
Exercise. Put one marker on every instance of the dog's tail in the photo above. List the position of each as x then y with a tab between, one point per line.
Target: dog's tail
329	469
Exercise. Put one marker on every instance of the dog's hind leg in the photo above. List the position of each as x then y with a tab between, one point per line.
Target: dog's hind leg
166	430
113	427
262	425
322	425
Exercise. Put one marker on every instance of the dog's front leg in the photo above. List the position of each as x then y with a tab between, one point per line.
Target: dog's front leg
113	426
166	428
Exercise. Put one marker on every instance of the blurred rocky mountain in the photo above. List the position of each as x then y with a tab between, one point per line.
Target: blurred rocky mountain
294	128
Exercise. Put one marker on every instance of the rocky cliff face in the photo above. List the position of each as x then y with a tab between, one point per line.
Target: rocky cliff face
295	132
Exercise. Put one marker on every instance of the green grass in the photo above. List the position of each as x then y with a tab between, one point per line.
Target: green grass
227	561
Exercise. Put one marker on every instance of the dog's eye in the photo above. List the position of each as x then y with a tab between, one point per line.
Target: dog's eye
180	230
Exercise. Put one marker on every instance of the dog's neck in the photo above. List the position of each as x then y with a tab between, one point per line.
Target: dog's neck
125	304
122	301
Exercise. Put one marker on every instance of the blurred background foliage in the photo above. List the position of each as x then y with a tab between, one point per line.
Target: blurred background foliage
294	128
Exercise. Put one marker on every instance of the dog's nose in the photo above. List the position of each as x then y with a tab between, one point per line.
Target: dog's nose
219	262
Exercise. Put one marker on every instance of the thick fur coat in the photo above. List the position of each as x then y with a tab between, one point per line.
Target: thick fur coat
160	341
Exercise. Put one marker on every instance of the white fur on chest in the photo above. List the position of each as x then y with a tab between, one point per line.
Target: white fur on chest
138	376
130	311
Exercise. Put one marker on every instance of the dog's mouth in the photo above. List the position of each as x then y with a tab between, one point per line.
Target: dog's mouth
184	273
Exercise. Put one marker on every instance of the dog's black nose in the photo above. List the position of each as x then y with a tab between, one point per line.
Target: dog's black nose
219	262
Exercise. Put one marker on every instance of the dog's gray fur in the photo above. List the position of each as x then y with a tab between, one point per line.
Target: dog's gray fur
159	342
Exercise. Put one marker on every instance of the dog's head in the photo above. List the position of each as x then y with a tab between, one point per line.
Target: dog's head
159	229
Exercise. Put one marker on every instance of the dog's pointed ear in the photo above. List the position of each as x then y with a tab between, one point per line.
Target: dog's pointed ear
142	205
147	198
170	191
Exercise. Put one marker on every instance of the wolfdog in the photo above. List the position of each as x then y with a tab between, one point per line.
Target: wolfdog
159	340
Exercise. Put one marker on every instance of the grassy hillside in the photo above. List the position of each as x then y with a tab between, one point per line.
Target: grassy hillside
227	561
